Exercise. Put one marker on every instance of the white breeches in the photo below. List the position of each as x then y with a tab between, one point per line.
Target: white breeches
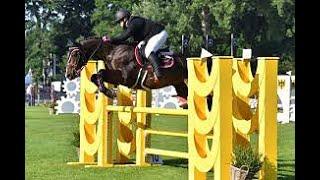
155	42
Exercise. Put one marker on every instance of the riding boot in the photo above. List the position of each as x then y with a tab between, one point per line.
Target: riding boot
154	60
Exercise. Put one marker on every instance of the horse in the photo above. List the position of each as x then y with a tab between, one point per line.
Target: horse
125	65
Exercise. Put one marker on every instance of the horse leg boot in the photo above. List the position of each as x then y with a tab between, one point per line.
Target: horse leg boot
154	60
94	79
106	91
98	81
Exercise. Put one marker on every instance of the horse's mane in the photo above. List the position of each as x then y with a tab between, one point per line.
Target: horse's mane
99	38
122	50
90	38
121	53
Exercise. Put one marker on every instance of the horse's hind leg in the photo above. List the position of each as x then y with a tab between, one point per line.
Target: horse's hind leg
182	93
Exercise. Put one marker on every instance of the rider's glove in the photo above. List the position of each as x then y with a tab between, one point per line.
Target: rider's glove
141	43
106	39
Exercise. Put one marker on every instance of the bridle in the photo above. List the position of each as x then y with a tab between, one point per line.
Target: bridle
81	59
78	51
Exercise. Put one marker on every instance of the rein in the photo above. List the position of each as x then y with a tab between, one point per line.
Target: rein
97	48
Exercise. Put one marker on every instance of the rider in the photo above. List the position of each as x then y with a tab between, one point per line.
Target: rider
144	31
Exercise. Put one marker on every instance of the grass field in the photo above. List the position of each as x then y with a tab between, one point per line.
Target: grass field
48	149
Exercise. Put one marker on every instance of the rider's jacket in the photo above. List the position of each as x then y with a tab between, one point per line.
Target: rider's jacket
140	29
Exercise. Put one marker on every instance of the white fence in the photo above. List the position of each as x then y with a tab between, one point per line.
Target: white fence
286	98
163	98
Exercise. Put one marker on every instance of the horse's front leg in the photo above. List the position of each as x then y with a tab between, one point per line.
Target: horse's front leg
124	73
98	81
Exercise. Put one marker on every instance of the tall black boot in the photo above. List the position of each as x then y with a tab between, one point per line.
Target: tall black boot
155	64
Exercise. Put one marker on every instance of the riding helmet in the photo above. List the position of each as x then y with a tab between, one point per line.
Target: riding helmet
122	13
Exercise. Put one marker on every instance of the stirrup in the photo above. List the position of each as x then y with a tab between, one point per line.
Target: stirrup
155	78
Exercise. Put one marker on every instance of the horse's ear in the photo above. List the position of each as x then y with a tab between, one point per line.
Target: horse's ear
71	43
77	44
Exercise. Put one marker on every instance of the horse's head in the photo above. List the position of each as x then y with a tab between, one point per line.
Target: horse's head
80	53
76	61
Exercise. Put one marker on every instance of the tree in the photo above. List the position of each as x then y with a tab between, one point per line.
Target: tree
286	11
75	22
177	18
103	17
38	15
49	26
267	27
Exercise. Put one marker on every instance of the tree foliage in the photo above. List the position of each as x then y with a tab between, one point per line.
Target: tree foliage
50	25
267	27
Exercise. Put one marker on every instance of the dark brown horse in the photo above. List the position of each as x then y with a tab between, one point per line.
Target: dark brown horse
123	68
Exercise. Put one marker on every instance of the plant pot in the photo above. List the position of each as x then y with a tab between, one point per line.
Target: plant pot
250	176
239	173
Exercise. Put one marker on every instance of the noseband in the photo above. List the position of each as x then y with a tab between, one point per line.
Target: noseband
81	60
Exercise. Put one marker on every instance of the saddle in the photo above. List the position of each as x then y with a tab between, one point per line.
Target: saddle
166	57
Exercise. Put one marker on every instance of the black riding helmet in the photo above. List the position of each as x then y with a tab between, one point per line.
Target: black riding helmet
122	13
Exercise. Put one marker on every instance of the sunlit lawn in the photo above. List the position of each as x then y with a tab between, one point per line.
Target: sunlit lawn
49	148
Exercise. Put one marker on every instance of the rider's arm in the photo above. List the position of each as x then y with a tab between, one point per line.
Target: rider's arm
135	25
122	37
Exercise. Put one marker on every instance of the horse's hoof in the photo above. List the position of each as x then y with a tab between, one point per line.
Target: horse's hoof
113	94
110	93
184	106
183	103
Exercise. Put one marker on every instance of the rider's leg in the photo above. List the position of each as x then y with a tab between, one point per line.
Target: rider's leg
154	43
154	60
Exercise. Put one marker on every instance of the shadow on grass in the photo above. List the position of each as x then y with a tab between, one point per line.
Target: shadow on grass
176	162
286	169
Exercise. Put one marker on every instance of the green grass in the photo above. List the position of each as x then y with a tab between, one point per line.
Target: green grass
49	148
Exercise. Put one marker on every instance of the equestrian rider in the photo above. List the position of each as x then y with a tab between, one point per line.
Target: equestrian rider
147	32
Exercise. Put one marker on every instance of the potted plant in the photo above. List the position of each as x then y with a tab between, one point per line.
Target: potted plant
245	163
